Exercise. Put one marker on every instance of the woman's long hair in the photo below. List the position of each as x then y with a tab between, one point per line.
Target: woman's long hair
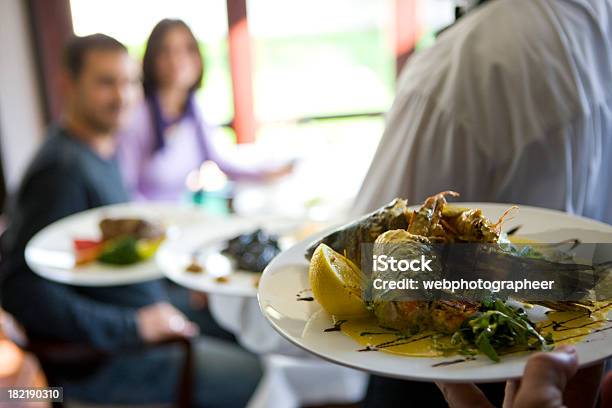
150	82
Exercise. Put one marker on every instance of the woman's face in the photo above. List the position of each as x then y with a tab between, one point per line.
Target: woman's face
178	64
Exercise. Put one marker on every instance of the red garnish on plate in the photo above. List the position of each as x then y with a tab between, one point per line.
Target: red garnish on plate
86	250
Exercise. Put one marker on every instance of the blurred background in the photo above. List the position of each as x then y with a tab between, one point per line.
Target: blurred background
287	80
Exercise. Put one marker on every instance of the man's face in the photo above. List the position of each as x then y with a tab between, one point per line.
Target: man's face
102	90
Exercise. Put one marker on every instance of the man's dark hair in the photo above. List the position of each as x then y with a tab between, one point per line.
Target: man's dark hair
77	48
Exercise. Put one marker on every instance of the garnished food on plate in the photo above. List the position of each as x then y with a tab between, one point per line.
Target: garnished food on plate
124	241
252	252
382	320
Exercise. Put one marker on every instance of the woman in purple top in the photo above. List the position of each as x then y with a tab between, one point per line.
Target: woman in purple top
167	136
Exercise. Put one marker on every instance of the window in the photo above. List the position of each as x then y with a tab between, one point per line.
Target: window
132	21
321	58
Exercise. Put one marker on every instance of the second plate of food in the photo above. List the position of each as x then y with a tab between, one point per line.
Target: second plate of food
107	246
227	255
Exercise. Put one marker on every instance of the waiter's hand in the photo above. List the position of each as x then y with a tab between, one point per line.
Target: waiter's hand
550	380
162	321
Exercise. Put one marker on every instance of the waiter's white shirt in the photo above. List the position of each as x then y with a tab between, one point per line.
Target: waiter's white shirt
513	104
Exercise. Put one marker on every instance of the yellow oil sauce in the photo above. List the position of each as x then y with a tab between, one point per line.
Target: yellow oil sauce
371	336
521	240
566	328
572	327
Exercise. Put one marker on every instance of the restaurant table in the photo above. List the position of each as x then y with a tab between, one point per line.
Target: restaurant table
292	376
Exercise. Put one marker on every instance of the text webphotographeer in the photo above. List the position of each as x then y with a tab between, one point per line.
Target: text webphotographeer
463	284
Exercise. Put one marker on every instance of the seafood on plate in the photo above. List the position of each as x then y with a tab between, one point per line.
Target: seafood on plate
487	324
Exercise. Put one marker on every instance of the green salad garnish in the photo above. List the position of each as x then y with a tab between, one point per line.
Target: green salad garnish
496	327
120	251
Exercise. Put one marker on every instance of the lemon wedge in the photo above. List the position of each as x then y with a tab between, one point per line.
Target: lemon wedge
336	283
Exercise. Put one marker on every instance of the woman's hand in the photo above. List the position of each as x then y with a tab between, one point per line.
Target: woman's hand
550	380
279	172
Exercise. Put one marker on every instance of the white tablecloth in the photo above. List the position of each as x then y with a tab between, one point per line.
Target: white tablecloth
292	376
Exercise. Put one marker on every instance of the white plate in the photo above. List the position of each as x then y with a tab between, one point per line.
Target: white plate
50	252
303	323
176	255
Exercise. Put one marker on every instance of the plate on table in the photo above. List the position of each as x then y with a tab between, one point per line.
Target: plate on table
51	254
196	260
286	301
